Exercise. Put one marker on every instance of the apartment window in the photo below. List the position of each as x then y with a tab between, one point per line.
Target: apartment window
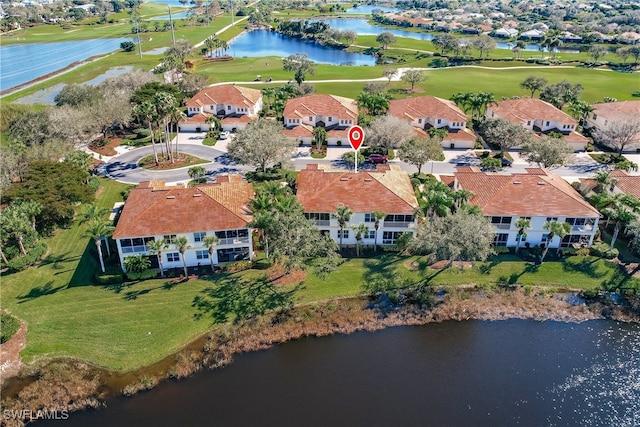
371	234
595	116
439	121
169	238
325	233
390	237
317	216
199	237
173	256
500	239
399	218
369	217
545	238
310	118
202	254
552	219
503	222
330	119
528	122
343	233
419	120
229	107
138	244
547	124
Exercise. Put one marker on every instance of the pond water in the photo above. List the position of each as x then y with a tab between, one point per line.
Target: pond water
181	15
21	63
368	9
267	43
477	373
362	27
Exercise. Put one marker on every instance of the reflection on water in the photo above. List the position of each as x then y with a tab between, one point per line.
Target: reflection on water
477	373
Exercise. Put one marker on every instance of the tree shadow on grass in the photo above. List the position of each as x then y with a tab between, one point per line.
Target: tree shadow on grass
233	299
620	282
57	260
134	294
86	269
40	291
381	275
584	266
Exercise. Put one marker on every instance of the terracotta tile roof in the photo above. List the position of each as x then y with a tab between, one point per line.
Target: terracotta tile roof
525	109
524	195
613	110
299	131
628	184
236	119
426	106
226	94
321	105
576	137
154	209
196	118
387	191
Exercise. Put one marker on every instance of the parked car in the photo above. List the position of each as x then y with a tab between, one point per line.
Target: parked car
225	134
505	162
377	158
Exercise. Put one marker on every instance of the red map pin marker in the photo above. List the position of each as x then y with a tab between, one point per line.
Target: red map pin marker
356	136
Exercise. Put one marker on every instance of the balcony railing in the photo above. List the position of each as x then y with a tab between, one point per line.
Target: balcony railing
321	222
133	249
233	241
397	224
502	226
585	228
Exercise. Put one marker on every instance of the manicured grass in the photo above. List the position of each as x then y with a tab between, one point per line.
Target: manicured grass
183	160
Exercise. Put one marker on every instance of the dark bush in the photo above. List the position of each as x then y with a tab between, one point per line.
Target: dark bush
601	249
109	278
9	325
23	262
143	275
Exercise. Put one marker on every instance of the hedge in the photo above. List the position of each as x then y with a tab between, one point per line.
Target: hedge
23	262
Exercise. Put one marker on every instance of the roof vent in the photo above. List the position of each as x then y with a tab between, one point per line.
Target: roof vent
344	179
368	180
541	183
171	197
517	182
197	195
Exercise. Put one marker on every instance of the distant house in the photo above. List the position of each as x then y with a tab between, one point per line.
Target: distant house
156	211
540	117
334	113
235	106
533	35
383	190
536	195
624	183
505	33
426	112
607	113
568	37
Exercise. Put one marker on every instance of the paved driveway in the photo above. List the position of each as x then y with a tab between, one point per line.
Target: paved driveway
124	167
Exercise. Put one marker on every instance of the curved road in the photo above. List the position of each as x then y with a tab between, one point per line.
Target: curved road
124	167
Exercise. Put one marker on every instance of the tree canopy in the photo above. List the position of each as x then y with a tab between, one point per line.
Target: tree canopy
419	150
548	152
262	145
301	65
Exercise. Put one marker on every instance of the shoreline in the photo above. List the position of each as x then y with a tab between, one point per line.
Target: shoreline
70	384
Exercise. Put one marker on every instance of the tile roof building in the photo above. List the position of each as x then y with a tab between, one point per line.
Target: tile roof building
425	112
384	190
235	106
537	195
607	114
335	113
156	211
538	116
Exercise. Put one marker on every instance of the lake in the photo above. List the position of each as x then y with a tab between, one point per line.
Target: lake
267	43
21	63
480	373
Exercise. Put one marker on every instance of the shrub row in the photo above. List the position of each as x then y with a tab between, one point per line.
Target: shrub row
23	262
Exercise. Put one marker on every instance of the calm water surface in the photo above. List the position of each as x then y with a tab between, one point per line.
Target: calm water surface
507	373
21	63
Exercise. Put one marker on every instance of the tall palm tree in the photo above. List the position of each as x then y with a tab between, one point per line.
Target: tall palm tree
176	115
90	212
164	103
262	221
96	230
269	92
210	241
182	244
360	231
605	181
15	224
554	228
377	216
147	113
622	215
522	224
31	209
342	215
156	247
462	100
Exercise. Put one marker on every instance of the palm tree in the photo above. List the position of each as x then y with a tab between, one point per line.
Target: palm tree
262	221
31	209
342	215
522	224
182	244
605	181
269	92
137	263
156	247
210	241
175	116
96	230
622	215
460	197
462	100
15	224
554	228
90	212
146	111
164	102
377	216
360	231
320	136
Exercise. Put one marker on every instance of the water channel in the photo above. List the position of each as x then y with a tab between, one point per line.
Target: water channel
477	373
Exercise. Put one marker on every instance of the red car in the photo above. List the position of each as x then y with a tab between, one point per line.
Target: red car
377	158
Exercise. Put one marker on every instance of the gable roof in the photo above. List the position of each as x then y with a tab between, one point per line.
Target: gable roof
524	194
387	191
226	94
426	106
628	184
321	105
525	109
155	209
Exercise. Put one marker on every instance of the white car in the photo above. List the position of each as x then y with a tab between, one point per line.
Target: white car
225	134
